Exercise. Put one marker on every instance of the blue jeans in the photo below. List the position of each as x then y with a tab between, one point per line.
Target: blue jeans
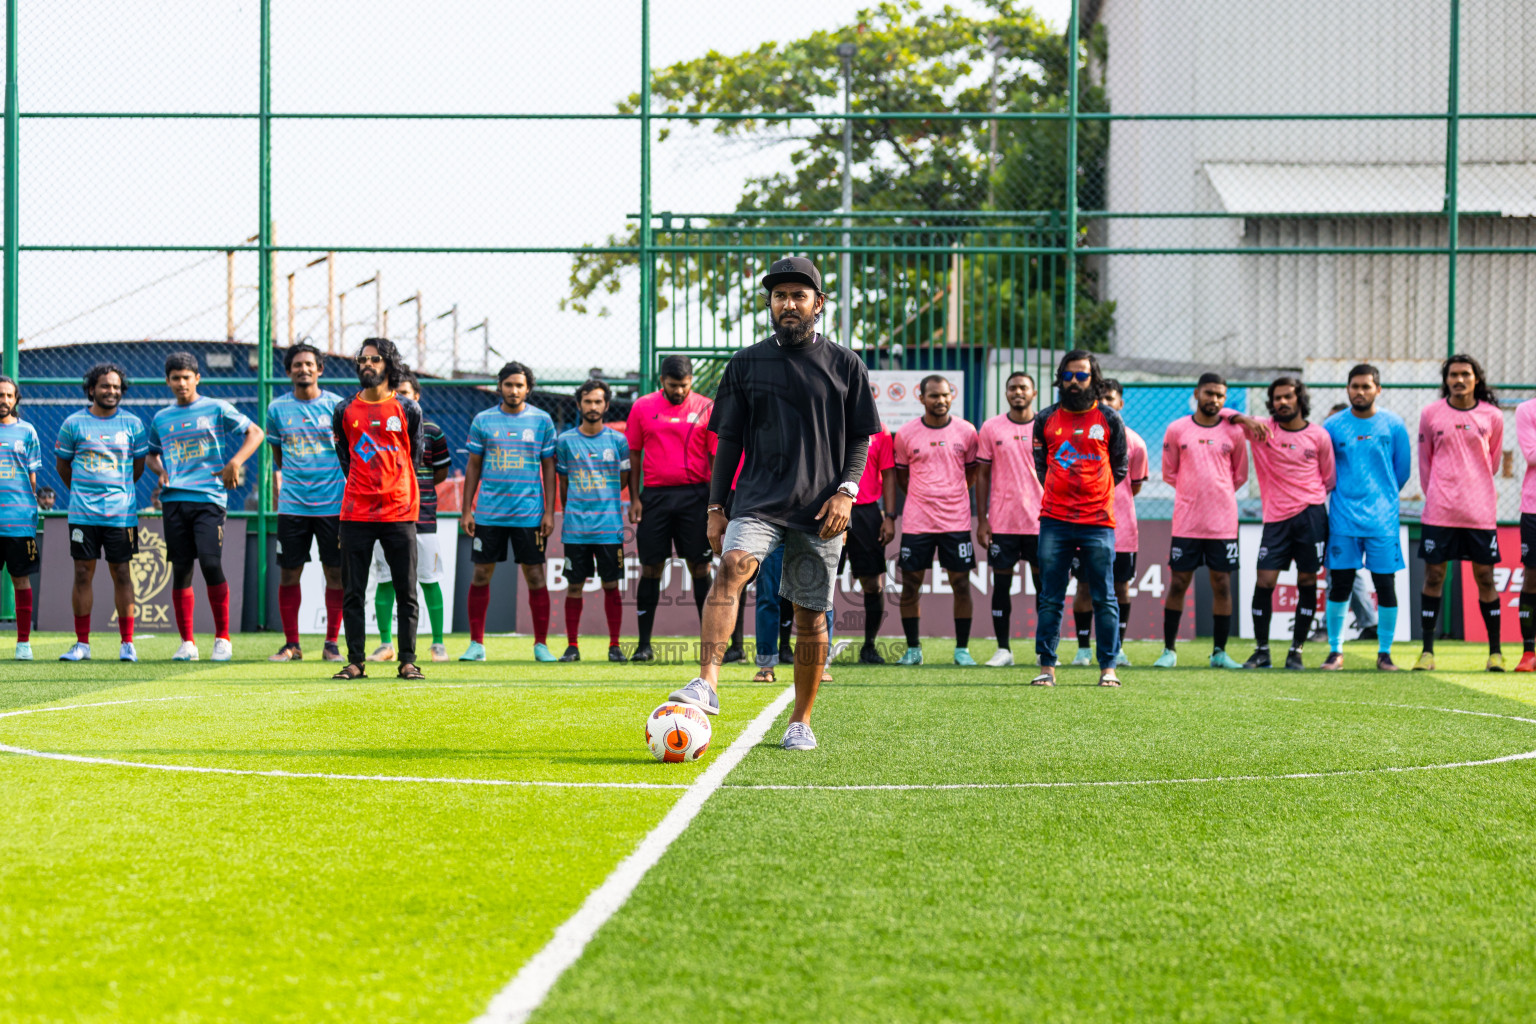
767	612
1094	546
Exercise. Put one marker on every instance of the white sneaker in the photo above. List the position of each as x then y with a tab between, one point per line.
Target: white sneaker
77	652
223	650
798	737
1002	659
125	652
186	652
23	650
1084	656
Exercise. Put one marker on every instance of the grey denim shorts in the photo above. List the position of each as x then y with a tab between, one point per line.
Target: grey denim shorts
810	563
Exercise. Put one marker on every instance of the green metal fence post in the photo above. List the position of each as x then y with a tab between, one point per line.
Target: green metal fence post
1452	167
264	313
647	270
10	358
1069	329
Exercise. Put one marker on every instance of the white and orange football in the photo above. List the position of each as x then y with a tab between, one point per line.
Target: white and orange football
677	732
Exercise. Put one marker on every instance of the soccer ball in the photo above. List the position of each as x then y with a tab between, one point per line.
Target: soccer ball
677	732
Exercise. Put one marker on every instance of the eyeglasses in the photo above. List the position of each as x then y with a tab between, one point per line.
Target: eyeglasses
364	360
1077	375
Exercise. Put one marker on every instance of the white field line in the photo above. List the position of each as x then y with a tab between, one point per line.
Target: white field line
526	991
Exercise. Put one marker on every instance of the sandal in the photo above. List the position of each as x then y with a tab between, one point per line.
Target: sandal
1043	679
1108	678
351	672
826	675
408	670
764	675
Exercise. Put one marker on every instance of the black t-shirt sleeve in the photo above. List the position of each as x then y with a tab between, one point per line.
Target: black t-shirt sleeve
863	419
1042	460
437	454
339	433
1119	450
414	432
728	418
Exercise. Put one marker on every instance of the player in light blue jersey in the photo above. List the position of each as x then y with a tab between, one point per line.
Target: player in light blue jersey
593	466
187	445
1371	452
309	486
512	471
21	456
100	456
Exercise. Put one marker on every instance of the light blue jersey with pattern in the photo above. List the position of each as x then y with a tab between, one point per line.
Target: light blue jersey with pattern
511	447
312	480
101	451
20	456
591	466
1374	460
191	442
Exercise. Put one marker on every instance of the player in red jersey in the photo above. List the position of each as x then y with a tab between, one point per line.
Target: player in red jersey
379	445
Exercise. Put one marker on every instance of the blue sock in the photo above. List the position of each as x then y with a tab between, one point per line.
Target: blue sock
1386	629
1334	615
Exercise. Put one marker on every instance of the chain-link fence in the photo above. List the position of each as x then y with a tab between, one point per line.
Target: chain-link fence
1177	186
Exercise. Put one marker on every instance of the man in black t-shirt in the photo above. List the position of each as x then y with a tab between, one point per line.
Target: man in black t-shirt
800	407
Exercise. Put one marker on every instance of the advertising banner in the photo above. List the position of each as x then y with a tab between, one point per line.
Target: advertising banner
1508	579
1283	620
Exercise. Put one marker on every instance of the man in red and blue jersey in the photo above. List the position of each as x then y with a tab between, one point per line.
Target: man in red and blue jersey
379	445
593	464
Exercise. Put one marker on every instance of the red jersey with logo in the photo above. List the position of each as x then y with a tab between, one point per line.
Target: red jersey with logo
674	441
1080	457
379	446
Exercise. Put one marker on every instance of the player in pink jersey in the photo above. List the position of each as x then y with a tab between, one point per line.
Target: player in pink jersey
1205	458
1525	436
1127	541
936	466
869	531
1294	462
1008	502
1461	440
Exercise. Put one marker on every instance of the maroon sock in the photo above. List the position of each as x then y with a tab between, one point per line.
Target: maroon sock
125	628
288	599
332	614
613	607
24	615
181	601
573	617
479	601
218	597
83	628
538	605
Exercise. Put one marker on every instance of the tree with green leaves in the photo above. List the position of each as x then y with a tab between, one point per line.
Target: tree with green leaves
929	176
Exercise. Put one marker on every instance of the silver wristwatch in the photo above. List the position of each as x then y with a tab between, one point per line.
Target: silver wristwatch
849	488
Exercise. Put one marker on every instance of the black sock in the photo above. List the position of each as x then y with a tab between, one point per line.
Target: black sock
909	626
646	600
786	624
962	632
1492	621
1002	609
1171	627
741	622
1429	614
1084	621
1306	610
700	594
874	614
1263	610
1125	620
1528	619
1222	626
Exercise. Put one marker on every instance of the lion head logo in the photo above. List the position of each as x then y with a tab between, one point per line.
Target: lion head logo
149	568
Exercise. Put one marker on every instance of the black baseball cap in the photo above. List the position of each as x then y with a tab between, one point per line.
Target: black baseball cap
792	268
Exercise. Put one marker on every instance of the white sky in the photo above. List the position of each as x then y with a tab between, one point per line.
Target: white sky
419	183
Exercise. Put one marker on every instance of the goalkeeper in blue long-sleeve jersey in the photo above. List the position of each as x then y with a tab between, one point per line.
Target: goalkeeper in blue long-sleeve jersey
1371	452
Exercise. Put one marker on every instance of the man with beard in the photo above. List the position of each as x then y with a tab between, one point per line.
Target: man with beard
593	466
799	407
1525	438
100	456
670	448
936	465
1008	503
1372	463
1127	540
1461	442
379	445
1080	457
20	459
1205	458
1294	462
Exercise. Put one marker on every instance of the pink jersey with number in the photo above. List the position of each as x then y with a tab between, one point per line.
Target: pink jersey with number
1206	466
1459	452
881	458
1525	434
935	459
1295	469
1127	533
1013	503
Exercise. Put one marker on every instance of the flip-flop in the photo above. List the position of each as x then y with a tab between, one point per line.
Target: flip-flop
1108	678
351	672
1043	679
764	675
408	670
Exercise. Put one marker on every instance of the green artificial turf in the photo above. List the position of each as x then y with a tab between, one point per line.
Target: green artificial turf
133	894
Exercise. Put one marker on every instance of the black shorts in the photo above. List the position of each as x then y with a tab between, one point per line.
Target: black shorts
674	519
1186	554
863	550
490	544
1441	544
608	558
1125	567
956	552
193	529
294	534
1303	538
89	541
1528	539
1008	549
20	556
